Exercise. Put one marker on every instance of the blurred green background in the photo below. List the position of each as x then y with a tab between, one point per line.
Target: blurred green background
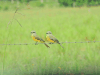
13	4
67	22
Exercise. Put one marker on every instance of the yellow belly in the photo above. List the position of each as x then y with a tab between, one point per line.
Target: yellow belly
49	39
35	39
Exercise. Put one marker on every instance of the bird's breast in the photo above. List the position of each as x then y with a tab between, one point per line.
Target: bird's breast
34	38
50	40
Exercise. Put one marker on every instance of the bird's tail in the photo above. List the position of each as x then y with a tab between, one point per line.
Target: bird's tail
46	45
61	45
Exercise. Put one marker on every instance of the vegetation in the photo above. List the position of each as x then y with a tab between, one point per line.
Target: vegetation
32	4
12	4
79	2
67	24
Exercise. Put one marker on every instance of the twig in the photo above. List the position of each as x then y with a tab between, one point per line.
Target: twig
8	23
18	22
13	18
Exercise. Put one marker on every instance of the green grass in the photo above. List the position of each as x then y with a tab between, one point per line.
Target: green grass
66	24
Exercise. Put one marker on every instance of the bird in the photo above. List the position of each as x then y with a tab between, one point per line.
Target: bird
36	38
51	38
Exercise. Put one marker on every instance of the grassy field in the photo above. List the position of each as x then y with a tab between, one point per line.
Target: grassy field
66	24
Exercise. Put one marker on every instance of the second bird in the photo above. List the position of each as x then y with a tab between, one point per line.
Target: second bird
52	39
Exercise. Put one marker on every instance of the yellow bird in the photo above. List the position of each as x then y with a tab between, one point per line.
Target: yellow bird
52	39
36	38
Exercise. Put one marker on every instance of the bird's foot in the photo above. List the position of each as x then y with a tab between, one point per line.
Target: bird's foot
51	43
36	43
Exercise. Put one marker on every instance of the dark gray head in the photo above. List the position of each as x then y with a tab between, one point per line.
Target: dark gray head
48	32
33	32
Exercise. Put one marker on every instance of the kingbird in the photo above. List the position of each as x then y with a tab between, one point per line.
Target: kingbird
52	39
36	38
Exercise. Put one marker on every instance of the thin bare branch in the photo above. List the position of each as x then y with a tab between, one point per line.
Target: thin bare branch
8	24
15	13
14	18
18	22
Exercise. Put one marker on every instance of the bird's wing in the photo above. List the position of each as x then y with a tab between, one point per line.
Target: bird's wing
54	39
38	38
